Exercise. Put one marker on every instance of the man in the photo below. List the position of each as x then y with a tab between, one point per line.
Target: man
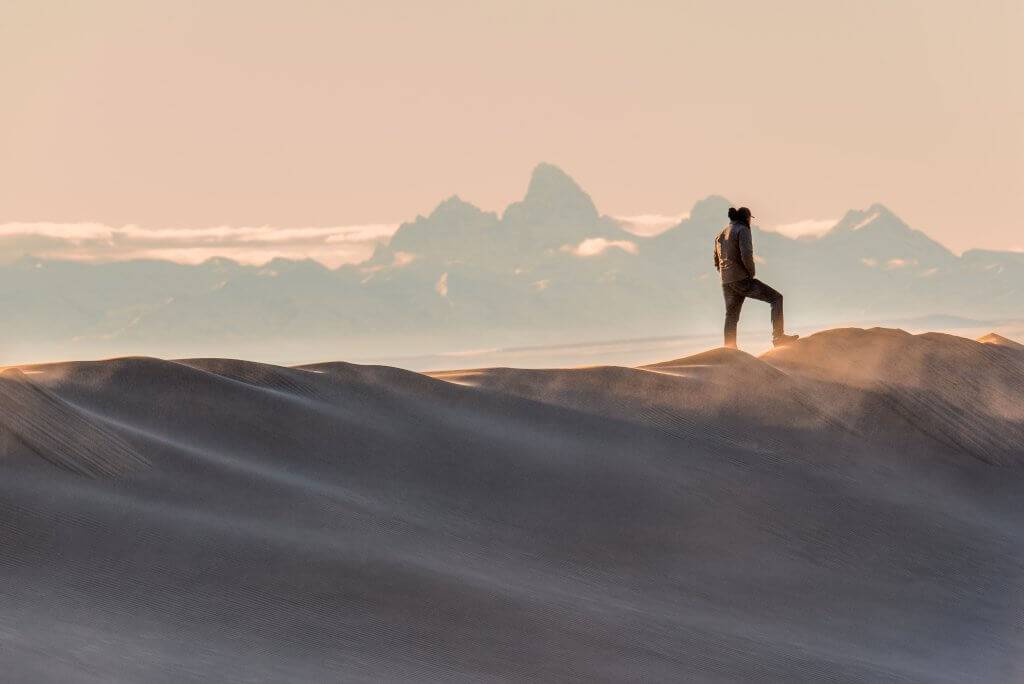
734	259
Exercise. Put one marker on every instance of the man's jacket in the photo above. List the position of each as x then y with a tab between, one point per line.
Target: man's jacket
734	253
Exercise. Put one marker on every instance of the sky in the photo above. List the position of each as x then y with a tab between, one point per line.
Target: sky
254	129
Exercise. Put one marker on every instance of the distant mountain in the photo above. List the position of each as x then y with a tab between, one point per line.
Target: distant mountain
550	269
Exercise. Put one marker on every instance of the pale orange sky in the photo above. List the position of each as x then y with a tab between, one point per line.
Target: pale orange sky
220	113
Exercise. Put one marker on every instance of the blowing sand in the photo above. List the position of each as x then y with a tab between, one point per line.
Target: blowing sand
845	509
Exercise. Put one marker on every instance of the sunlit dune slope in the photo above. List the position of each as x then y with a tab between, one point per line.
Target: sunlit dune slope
999	340
965	394
35	420
931	394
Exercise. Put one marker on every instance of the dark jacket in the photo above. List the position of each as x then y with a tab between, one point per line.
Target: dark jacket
734	253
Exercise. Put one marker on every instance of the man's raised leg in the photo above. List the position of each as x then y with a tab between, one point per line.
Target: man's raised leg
766	293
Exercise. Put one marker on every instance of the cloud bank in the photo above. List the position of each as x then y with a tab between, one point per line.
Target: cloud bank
812	227
595	246
649	225
97	242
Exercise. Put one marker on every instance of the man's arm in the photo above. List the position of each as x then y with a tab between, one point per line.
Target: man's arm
747	251
718	266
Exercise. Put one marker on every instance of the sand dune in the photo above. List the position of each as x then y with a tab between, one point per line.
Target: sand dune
845	509
37	420
962	393
999	340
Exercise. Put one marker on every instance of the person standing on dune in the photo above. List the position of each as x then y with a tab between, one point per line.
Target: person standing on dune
734	259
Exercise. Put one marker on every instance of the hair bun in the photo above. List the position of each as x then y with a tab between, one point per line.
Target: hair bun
733	214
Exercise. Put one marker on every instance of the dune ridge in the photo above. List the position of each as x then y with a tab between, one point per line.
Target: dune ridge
964	393
846	508
58	432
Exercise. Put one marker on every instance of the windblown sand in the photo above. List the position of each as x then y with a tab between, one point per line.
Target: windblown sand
846	509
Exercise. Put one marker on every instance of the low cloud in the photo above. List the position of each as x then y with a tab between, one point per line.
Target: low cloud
796	229
96	242
890	264
595	246
648	225
403	258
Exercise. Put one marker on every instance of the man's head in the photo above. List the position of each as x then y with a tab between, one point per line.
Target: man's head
741	215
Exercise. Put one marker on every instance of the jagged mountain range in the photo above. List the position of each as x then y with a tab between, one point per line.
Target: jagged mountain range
551	268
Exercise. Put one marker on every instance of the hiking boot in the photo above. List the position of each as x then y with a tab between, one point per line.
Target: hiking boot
783	340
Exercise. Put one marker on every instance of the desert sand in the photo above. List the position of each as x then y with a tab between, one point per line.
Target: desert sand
845	509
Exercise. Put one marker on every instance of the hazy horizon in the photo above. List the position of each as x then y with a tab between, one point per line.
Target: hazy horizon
342	120
331	246
536	284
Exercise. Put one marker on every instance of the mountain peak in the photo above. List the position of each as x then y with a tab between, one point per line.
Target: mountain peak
711	208
453	225
553	194
286	265
881	210
548	175
454	206
219	263
875	216
882	236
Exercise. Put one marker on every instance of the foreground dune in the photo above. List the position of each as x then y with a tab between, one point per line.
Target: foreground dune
848	508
